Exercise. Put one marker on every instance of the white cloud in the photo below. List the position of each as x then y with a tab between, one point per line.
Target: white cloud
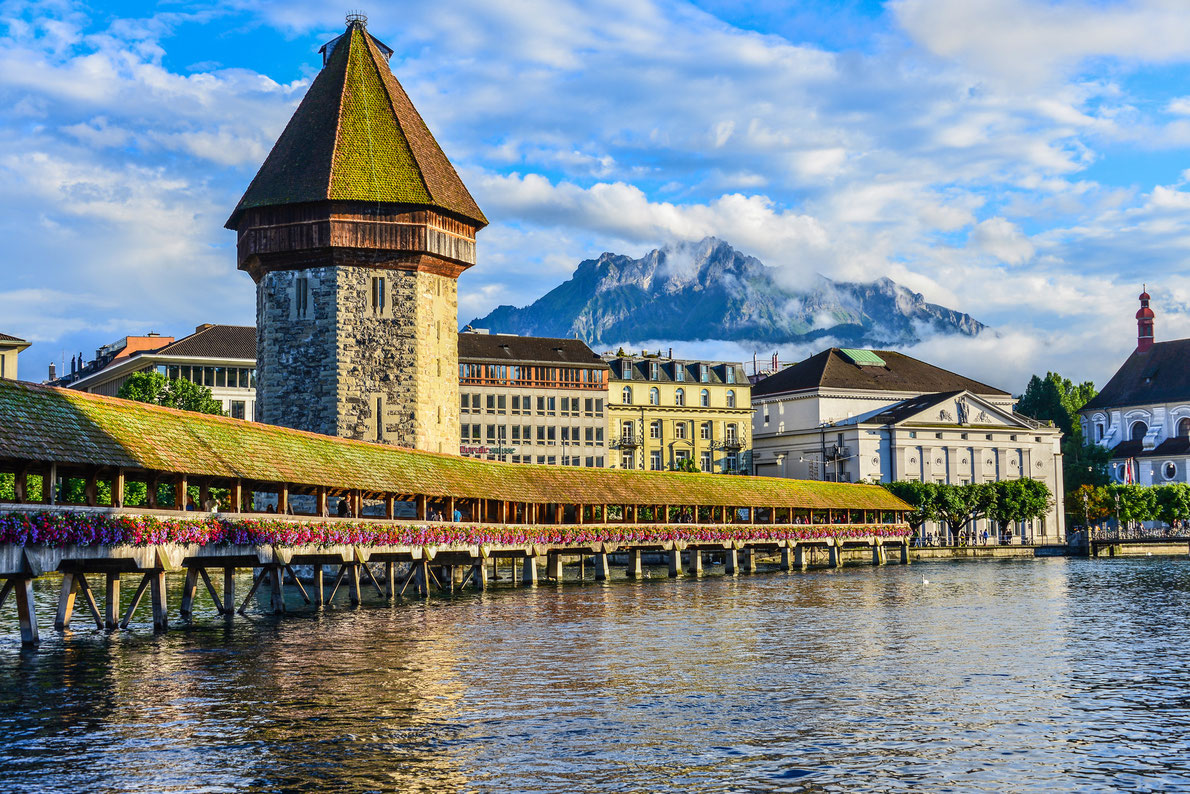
1001	239
1034	41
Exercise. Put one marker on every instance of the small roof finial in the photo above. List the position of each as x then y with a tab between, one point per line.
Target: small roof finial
359	17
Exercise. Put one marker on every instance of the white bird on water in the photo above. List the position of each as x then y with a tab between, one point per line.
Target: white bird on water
924	580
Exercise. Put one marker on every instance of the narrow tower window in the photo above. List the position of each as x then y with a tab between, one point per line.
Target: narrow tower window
378	295
380	419
301	296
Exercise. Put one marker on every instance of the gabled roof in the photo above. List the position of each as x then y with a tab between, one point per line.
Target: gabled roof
7	338
41	424
1160	374
833	369
357	137
215	341
511	348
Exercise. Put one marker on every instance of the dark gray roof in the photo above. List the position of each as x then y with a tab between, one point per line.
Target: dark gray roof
667	369
1161	374
215	341
899	412
901	373
7	338
511	348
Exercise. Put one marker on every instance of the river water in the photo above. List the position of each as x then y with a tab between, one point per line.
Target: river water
1026	675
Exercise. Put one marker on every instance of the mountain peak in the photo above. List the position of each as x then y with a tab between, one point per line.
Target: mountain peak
706	289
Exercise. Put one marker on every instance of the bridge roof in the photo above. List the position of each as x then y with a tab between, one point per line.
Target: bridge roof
42	424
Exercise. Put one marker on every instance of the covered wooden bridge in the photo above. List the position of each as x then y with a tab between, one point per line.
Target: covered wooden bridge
92	484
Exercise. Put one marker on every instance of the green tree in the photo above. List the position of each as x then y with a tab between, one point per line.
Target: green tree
957	505
153	387
1020	500
1173	502
1134	503
687	465
1056	399
921	496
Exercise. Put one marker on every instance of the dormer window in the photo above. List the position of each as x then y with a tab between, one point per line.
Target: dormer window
679	372
626	370
704	373
730	373
654	371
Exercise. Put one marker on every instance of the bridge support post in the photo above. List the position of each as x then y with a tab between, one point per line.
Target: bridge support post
553	566
529	570
422	574
878	557
695	562
189	589
749	560
799	557
786	558
26	611
111	602
277	589
835	553
479	573
157	595
70	588
731	562
602	572
634	569
675	562
390	580
229	591
904	552
353	590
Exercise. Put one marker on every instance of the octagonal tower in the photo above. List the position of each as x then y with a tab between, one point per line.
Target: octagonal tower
355	230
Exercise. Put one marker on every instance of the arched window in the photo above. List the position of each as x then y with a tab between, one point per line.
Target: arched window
680	397
655	428
731	399
1184	428
704	398
654	396
1138	431
627	395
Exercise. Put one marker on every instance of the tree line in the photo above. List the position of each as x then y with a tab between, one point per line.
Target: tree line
1130	504
1006	503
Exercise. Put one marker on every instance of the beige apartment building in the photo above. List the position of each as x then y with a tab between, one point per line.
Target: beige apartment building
526	399
663	411
10	348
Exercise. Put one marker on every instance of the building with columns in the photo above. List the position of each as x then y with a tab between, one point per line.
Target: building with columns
847	415
355	231
1143	413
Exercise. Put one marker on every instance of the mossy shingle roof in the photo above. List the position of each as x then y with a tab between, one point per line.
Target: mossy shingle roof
357	137
41	424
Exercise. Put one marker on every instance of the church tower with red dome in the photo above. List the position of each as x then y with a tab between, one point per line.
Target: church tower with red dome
1144	324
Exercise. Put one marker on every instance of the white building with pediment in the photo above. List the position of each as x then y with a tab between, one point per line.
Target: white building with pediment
849	415
1143	413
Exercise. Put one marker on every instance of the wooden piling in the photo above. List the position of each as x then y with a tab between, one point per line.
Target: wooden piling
634	569
529	570
189	590
835	555
553	566
390	577
602	570
111	602
695	562
353	591
157	594
26	611
66	601
731	562
229	591
675	561
799	557
749	560
319	587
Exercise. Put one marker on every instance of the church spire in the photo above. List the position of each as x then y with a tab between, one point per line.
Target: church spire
1144	322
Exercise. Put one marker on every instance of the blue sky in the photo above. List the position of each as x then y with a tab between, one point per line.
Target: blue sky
1022	161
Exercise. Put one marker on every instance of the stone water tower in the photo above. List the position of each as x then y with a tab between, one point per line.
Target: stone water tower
355	230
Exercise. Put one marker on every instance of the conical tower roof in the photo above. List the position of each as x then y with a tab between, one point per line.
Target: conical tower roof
357	137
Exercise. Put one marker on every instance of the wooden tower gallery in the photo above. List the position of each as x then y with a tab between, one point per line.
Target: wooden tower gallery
355	230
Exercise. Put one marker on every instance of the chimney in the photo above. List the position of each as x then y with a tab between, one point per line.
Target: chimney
74	367
53	371
199	329
1144	323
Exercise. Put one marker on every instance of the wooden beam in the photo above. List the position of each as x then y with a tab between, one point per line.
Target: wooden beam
65	600
237	496
111	602
420	506
49	485
21	485
390	506
283	499
27	612
118	489
136	597
181	492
